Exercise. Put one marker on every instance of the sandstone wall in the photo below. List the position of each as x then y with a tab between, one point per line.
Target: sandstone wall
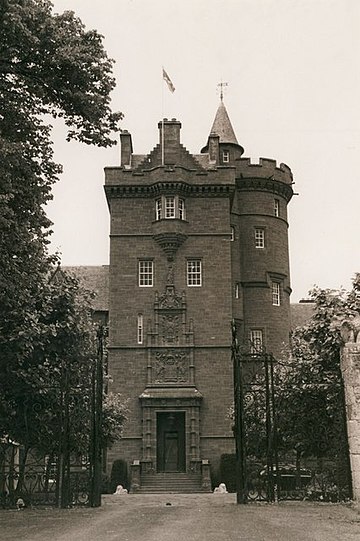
350	367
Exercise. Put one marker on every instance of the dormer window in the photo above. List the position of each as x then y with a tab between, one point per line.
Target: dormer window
168	207
226	156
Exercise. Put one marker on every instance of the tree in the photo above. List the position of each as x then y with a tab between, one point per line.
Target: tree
309	396
48	406
114	417
310	399
49	66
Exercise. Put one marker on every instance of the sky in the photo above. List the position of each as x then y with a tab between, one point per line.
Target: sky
293	74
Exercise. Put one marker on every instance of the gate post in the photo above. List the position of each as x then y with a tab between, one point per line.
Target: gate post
96	422
239	429
63	466
350	369
271	431
205	475
135	469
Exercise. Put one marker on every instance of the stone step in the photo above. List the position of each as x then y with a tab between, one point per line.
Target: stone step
174	483
169	484
172	474
152	490
171	487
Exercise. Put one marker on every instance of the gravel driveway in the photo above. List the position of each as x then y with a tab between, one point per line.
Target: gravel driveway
174	517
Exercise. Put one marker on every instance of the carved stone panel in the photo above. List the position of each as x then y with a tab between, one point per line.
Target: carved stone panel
170	299
170	366
170	328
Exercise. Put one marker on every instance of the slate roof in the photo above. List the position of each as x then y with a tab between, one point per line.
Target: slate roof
301	313
95	279
222	126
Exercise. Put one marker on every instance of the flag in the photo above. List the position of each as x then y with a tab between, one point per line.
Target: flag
168	81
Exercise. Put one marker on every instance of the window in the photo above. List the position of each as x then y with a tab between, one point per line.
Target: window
275	286
146	273
237	290
232	233
194	272
181	209
276	207
259	238
169	207
256	341
140	329
226	157
158	209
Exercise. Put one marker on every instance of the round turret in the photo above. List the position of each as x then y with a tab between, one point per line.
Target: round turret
261	258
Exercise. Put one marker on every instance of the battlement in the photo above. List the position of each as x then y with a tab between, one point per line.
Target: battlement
266	168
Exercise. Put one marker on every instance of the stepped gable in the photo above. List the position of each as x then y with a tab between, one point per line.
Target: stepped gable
169	151
154	159
136	160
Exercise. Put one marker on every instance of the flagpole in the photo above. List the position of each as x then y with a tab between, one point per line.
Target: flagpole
171	87
162	120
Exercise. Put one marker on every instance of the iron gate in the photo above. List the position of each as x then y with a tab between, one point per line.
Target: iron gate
266	468
55	474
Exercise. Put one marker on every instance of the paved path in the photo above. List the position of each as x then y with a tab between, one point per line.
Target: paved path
205	517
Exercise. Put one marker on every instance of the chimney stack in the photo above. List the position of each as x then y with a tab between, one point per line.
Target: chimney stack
213	146
171	140
126	149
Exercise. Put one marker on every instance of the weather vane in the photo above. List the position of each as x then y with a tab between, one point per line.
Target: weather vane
221	87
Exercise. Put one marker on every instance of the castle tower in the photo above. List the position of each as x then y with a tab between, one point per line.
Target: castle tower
195	241
260	255
259	228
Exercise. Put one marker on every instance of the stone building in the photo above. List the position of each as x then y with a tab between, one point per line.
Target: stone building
195	241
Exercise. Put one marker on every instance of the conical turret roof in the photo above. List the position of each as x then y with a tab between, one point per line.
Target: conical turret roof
222	126
223	129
